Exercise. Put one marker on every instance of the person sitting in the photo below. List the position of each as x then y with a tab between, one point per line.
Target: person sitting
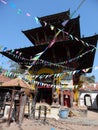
55	98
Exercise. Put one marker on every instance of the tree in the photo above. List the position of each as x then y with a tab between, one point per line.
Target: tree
15	67
1	69
87	79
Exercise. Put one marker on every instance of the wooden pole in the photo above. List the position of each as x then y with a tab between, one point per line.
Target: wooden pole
22	107
10	111
34	104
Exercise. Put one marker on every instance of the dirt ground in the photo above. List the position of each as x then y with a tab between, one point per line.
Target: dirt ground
72	123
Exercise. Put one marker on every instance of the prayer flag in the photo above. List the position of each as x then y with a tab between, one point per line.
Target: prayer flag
65	22
36	57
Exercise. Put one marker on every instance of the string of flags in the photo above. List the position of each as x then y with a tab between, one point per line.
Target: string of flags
72	38
14	6
40	61
59	30
37	56
45	76
27	61
20	11
32	79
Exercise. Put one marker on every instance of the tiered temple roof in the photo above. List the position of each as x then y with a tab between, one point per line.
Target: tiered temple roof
44	34
69	48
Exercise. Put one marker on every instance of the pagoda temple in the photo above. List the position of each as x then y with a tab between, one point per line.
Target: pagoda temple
64	50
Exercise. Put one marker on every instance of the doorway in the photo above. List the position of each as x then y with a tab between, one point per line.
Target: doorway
46	94
87	100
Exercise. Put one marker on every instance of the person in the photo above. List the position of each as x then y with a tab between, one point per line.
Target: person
55	98
7	97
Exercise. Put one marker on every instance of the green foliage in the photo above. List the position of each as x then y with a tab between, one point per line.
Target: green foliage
15	68
1	69
87	79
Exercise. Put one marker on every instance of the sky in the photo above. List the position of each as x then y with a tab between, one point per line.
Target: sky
19	15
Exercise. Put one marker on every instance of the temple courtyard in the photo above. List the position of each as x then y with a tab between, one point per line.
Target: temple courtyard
90	122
